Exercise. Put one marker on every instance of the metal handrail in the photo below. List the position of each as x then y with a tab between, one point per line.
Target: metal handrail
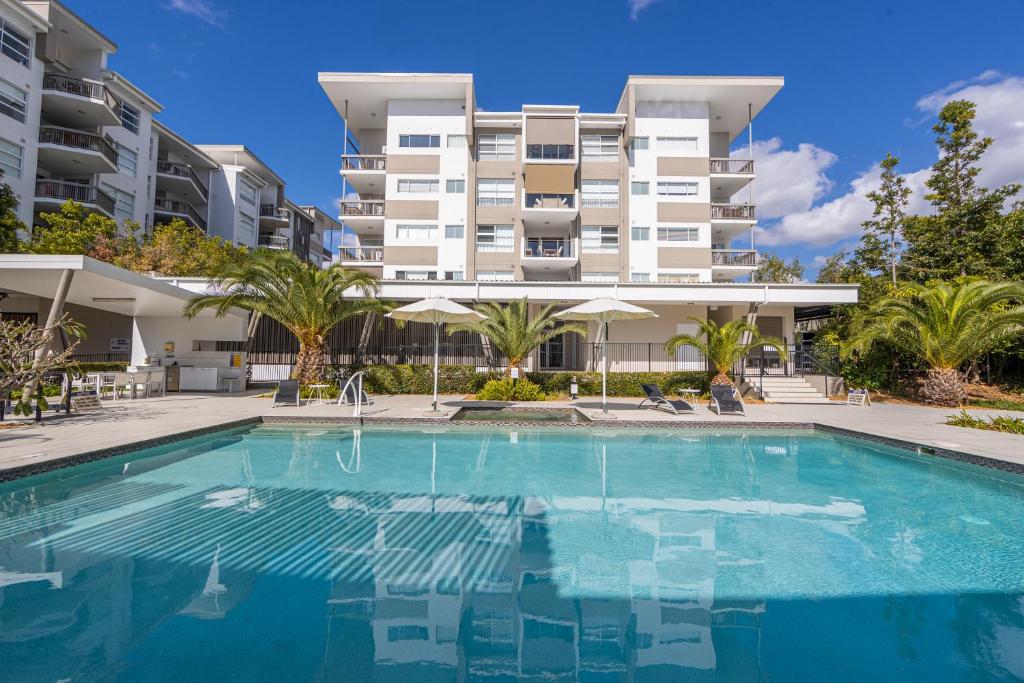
165	205
733	257
79	139
361	254
273	241
732	166
549	200
271	211
363	207
182	171
495	201
741	211
547	248
81	88
363	162
83	194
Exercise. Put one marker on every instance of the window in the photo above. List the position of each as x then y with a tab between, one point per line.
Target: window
417	185
600	194
495	192
600	147
550	151
456	142
415	275
14	43
640	277
124	202
494	238
599	277
10	158
455	187
454	275
678	234
496	147
246	223
639	234
129	117
454	232
638	144
419	140
494	275
12	101
415	232
638	187
247	192
600	239
673	145
127	161
678	278
669	188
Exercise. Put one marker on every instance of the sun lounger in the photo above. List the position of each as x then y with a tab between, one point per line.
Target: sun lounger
287	392
724	399
653	394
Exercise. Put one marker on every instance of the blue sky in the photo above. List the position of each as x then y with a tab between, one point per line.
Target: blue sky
862	79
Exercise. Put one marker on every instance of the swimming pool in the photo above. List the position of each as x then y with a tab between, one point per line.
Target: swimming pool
491	553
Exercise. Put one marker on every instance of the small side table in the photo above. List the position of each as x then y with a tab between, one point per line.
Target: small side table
316	390
694	393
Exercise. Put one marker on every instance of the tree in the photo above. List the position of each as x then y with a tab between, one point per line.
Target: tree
513	333
726	344
72	230
773	269
945	326
880	244
19	367
177	248
10	226
308	300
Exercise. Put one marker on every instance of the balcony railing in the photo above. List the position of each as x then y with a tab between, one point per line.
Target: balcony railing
83	194
271	211
78	139
363	162
175	206
76	86
551	151
363	207
733	211
273	242
547	248
550	201
181	171
361	253
495	201
732	166
600	202
733	257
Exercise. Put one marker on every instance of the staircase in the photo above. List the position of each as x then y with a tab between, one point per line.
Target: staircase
787	390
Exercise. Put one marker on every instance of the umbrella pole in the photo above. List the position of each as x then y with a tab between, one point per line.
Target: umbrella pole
604	369
437	337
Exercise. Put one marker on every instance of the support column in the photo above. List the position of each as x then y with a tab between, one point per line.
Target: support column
56	311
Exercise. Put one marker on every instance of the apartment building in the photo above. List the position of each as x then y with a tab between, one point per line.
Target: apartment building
319	238
650	203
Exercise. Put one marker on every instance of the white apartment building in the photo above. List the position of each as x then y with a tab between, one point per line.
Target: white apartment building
649	203
323	223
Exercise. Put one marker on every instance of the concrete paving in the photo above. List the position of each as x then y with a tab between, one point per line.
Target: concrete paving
126	422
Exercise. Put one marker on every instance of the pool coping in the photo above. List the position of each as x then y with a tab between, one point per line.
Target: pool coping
29	469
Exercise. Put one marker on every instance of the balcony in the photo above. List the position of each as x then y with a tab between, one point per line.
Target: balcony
554	210
548	258
738	213
364	172
180	179
66	151
726	264
56	192
79	103
551	152
495	201
173	208
274	217
363	214
732	166
361	255
273	242
729	176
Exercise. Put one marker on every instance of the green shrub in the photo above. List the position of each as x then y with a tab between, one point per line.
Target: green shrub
1011	425
507	389
625	384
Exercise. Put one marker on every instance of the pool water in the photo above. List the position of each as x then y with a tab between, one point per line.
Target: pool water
492	553
540	415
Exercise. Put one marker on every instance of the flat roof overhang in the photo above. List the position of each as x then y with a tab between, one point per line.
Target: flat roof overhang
368	93
96	285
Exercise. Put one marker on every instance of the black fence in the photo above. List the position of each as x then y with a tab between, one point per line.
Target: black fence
102	357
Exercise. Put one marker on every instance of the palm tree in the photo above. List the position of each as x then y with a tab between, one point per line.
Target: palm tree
513	333
306	299
724	345
946	326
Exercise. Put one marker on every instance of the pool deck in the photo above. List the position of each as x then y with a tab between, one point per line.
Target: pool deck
123	424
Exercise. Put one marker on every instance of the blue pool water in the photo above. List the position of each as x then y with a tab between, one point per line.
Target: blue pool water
486	554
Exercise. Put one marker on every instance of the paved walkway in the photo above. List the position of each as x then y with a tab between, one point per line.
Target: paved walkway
126	422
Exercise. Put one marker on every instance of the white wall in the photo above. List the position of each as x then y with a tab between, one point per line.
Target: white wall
145	162
149	334
225	207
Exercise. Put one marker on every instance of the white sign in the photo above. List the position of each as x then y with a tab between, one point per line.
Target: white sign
515	373
120	345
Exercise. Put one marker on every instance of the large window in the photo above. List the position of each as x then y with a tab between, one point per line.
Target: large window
129	117
14	43
676	145
637	144
454	275
415	231
671	188
415	275
600	194
454	232
639	187
600	239
494	238
600	147
247	224
456	141
12	101
417	185
496	147
419	140
678	234
10	158
495	192
127	161
599	276
640	277
124	202
638	234
246	192
678	278
494	275
550	151
455	187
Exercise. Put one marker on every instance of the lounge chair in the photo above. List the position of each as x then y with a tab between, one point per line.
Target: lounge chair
724	399
653	394
287	392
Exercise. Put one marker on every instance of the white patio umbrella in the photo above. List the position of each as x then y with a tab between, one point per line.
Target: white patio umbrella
603	311
435	310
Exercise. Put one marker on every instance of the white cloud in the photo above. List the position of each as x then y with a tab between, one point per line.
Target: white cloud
203	10
788	180
638	6
1000	114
